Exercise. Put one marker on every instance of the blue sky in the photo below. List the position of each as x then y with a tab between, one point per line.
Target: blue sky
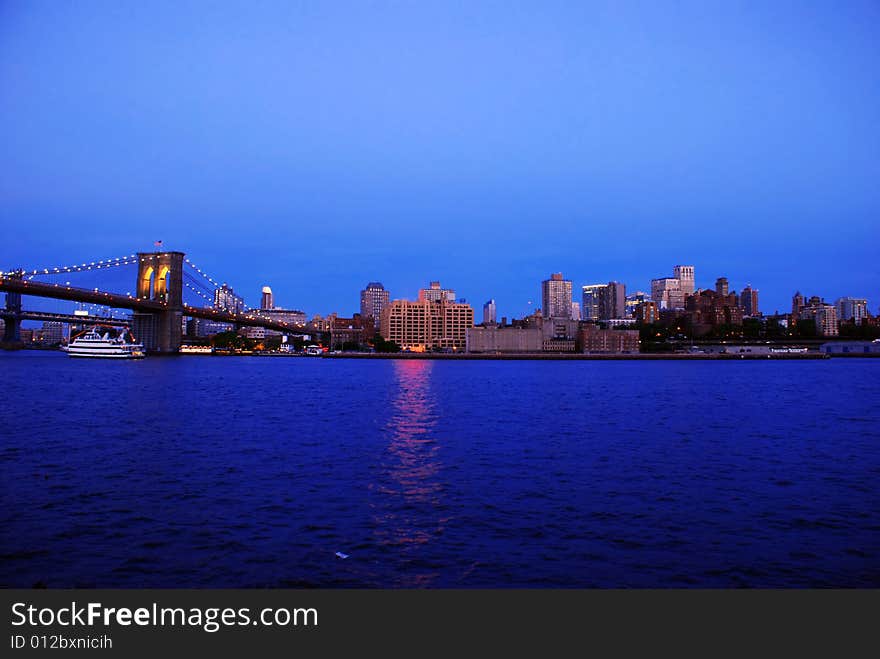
318	146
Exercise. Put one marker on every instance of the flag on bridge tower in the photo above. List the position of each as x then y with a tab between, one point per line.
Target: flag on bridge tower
158	243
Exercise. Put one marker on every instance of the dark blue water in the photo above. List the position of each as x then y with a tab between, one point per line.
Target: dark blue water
227	472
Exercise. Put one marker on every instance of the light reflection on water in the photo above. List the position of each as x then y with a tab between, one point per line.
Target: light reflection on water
407	510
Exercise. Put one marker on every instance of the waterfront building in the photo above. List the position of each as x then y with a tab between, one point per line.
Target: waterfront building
225	299
434	293
851	309
489	313
348	331
612	301
427	325
851	348
593	340
495	339
556	297
685	276
267	300
293	317
374	298
590	301
256	333
52	332
666	292
199	327
749	301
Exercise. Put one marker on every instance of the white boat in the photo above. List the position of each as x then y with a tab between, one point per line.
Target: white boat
107	343
313	351
196	350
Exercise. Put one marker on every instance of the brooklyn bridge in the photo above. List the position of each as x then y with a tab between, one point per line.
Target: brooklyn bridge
157	302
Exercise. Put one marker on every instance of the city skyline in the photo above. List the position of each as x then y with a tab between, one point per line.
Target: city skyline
480	147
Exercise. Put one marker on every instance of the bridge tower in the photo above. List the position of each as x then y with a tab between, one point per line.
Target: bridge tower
11	317
160	278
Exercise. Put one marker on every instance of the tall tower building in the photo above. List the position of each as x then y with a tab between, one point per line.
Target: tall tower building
721	286
612	301
590	301
267	301
749	301
852	308
225	299
489	313
797	304
685	276
556	297
374	298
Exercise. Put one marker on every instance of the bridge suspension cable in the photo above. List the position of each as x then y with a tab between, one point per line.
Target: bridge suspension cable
192	284
201	272
213	283
93	265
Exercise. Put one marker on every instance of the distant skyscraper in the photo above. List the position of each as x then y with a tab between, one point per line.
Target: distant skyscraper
435	293
749	301
685	276
556	297
721	286
590	301
851	308
612	301
797	304
489	313
267	301
576	310
374	298
225	299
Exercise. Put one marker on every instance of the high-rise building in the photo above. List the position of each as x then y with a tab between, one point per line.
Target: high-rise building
225	299
435	293
633	300
721	286
267	301
666	292
556	297
374	298
426	325
749	301
612	301
685	276
590	301
576	310
824	316
852	308
489	313
797	304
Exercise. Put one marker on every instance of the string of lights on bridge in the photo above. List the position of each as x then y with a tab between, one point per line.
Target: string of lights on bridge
190	282
82	267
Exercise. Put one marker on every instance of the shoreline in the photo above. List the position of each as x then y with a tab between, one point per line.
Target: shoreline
581	357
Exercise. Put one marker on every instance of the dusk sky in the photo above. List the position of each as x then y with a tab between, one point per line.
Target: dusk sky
318	146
